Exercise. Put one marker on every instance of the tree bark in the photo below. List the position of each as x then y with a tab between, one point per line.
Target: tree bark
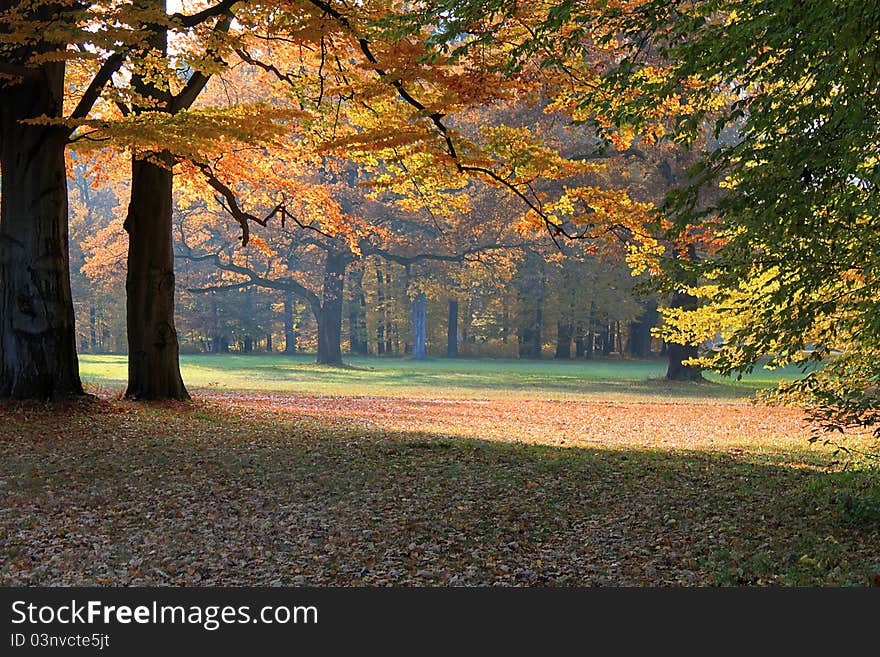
678	353
153	367
420	326
452	331
37	334
330	318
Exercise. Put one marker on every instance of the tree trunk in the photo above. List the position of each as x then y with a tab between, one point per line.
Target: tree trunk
153	368
606	339
380	302
357	308
564	331
678	353
392	340
420	326
37	334
452	331
638	343
580	341
330	318
289	323
537	338
268	343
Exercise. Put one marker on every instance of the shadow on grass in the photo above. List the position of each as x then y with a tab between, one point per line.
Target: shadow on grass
119	493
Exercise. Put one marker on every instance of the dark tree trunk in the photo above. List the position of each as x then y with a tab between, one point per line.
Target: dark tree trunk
580	341
153	368
564	331
677	370
638	343
330	317
678	353
289	323
452	331
268	343
37	335
248	345
606	339
420	326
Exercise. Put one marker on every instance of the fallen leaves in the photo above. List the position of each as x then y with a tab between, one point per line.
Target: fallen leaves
307	490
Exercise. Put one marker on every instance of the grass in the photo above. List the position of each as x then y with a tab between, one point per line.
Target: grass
392	472
460	378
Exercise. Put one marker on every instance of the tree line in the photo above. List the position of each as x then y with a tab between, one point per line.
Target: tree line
725	150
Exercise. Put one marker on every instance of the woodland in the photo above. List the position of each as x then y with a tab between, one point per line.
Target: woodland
445	292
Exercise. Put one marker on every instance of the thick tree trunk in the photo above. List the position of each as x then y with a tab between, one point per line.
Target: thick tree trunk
37	335
452	331
153	368
330	318
420	326
678	353
564	332
677	370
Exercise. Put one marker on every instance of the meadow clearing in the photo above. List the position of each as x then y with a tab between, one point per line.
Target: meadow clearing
445	472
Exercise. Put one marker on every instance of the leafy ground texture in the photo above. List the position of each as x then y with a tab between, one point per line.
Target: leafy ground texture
639	483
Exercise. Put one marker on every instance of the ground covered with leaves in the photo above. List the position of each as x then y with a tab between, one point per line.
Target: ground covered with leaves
279	489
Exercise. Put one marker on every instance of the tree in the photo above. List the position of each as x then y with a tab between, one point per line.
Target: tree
49	48
37	336
791	275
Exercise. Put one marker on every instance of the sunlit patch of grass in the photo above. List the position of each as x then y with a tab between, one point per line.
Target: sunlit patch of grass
439	378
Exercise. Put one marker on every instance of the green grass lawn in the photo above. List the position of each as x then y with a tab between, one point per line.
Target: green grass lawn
442	378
